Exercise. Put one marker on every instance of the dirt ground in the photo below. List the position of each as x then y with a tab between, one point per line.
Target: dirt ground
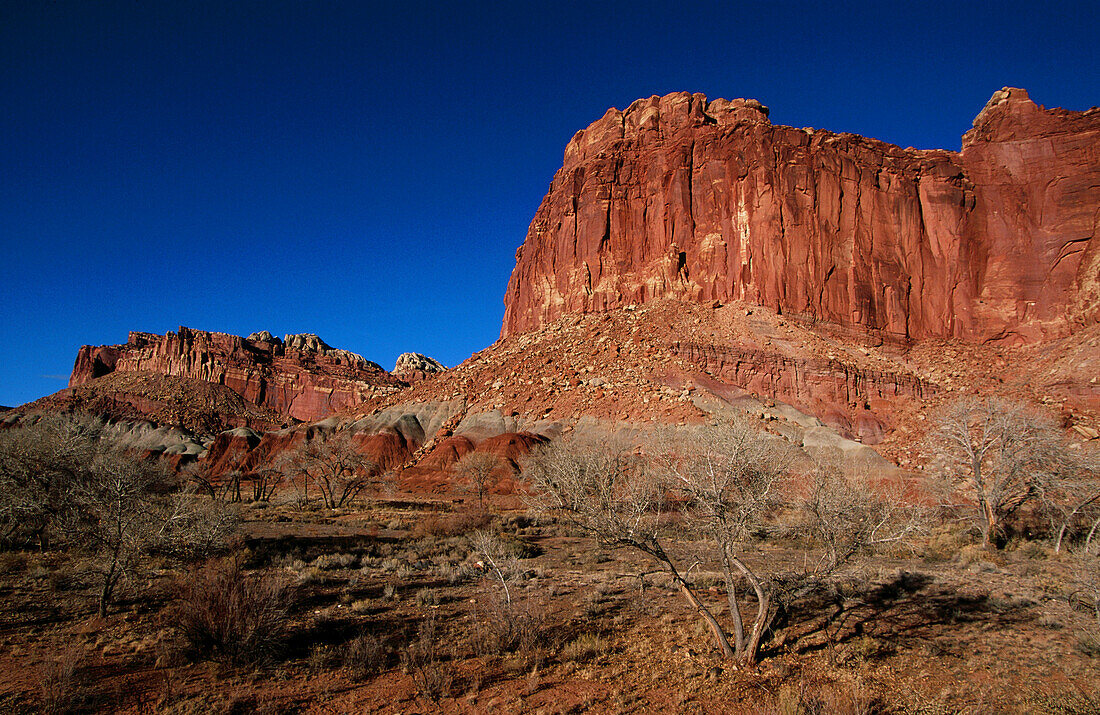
950	630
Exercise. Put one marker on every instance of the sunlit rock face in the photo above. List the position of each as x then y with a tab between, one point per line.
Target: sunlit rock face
414	367
299	376
682	197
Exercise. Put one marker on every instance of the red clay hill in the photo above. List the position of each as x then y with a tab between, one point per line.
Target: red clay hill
681	197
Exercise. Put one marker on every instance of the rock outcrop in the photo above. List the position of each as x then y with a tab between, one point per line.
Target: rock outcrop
708	201
299	376
414	367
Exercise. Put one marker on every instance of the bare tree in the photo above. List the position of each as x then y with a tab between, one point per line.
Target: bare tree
497	560
41	461
336	467
480	470
119	518
1085	596
728	483
265	481
999	455
730	475
225	486
614	496
1076	497
129	509
83	486
848	518
191	527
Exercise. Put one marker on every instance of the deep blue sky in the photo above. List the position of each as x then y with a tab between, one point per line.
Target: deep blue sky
366	171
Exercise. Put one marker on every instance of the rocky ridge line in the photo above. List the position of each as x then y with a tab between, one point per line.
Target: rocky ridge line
300	377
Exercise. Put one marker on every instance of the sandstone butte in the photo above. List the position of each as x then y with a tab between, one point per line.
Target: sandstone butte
300	376
680	197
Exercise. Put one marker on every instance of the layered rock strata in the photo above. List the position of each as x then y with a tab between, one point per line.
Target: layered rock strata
682	197
299	376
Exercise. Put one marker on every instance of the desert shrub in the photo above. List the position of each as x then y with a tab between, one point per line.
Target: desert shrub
427	597
945	541
826	698
503	625
1088	643
65	577
1029	550
12	562
456	524
365	656
598	601
1085	596
516	522
866	648
61	689
521	549
1064	699
312	575
230	616
324	657
455	573
422	658
976	555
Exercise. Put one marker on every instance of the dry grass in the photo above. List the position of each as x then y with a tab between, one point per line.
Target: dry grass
365	656
455	524
379	602
62	687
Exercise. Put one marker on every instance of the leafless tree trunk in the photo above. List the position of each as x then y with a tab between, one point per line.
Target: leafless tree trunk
999	455
480	470
730	475
336	467
103	500
612	495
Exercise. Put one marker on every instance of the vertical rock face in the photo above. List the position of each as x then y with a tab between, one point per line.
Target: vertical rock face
681	197
300	376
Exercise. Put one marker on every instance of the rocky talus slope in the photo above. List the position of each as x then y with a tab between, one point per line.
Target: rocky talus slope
200	407
681	362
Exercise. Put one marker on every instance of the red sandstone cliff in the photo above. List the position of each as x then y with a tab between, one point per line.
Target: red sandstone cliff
681	197
302	377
